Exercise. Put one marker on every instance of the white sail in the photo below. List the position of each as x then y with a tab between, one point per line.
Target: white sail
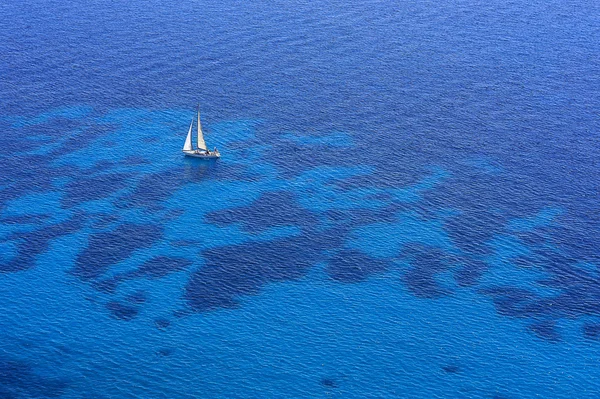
201	143
188	140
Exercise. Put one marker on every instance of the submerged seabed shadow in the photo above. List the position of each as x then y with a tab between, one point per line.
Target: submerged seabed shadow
274	212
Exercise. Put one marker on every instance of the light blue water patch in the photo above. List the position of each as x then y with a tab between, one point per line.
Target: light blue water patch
484	164
53	144
47	203
277	233
504	271
590	268
262	171
326	174
413	193
371	339
125	116
130	140
193	227
333	139
139	256
7	229
209	196
385	240
252	159
508	247
8	249
320	200
104	205
542	219
74	112
88	157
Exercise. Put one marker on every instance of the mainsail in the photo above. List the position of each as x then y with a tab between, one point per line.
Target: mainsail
188	140
201	143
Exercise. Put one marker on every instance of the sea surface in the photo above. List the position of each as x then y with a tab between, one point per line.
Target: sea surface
407	203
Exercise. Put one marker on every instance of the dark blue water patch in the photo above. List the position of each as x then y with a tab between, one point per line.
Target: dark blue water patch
151	140
425	263
83	138
482	204
102	220
451	369
562	268
135	160
46	132
151	209
102	165
536	237
565	268
157	267
108	144
272	209
572	303
105	249
30	174
529	261
15	140
31	244
509	301
580	288
24	219
546	330
236	270
488	203
471	231
174	214
591	331
153	189
165	352
329	383
351	266
580	239
19	380
470	271
84	189
160	266
109	285
121	311
161	323
6	393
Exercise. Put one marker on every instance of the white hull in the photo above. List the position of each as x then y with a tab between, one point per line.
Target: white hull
202	154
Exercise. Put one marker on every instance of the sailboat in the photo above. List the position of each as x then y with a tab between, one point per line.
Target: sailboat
201	151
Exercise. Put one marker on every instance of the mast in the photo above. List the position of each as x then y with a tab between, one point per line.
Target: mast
201	143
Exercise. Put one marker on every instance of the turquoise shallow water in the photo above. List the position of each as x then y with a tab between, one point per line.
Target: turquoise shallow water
406	205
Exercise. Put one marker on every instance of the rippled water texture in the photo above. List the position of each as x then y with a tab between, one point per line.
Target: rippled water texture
407	203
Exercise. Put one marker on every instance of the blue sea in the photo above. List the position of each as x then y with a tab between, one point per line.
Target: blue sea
407	203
